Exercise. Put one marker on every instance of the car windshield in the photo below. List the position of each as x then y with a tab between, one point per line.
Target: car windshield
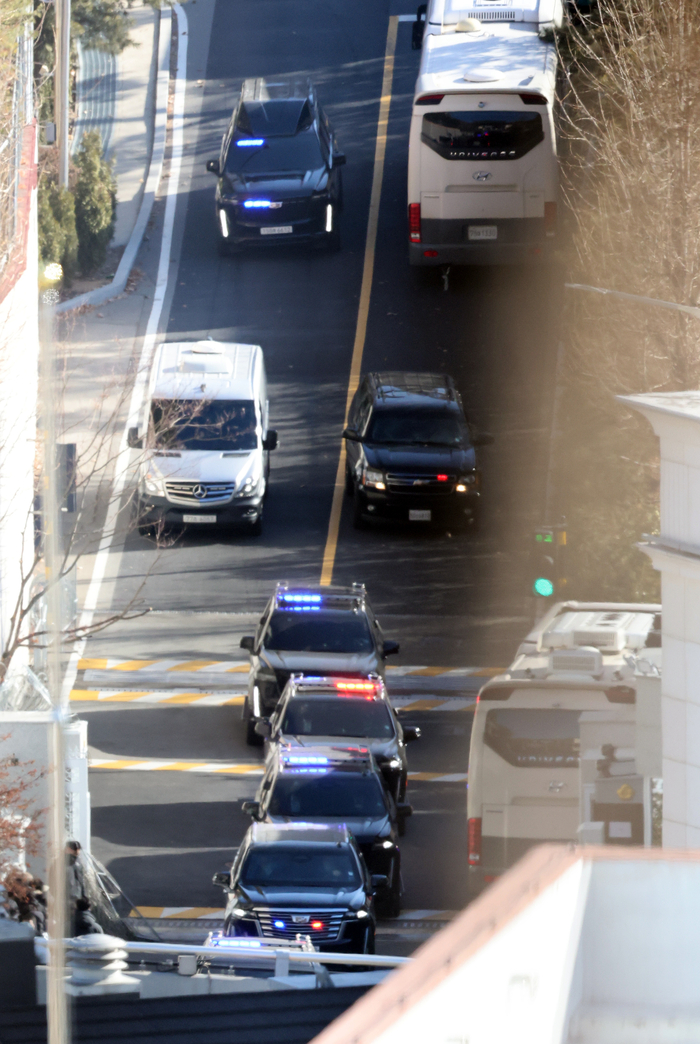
417	427
335	794
478	135
190	424
339	716
308	866
321	631
297	153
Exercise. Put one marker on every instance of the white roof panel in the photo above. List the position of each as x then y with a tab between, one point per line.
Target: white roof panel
205	370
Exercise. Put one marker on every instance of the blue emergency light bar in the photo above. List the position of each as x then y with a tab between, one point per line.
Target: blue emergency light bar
302	598
250	143
306	759
257	204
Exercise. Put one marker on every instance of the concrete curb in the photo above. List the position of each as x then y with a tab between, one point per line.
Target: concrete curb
118	284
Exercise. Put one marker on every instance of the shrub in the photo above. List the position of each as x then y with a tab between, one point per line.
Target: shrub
95	203
58	239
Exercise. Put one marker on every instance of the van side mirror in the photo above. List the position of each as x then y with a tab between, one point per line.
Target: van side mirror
247	642
351	435
132	439
339	159
213	166
418	27
390	648
270	440
263	728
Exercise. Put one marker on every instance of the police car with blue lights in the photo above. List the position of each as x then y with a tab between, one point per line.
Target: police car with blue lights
338	786
357	711
310	630
301	879
279	168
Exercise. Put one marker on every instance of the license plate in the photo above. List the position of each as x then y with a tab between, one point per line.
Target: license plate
276	230
483	232
199	518
419	516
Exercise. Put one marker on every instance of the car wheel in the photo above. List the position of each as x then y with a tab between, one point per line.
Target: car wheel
358	521
391	907
369	946
333	241
401	826
251	736
257	526
349	482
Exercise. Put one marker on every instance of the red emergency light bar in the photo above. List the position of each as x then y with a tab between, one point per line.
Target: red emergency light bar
356	686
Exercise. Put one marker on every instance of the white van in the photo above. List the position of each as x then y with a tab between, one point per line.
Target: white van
550	733
206	437
482	160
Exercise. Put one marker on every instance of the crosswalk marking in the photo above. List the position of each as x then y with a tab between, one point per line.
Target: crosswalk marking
239	667
233	768
231	697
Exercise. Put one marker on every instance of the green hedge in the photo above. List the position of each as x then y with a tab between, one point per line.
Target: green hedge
95	203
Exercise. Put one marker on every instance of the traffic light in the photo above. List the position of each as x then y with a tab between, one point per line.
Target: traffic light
547	570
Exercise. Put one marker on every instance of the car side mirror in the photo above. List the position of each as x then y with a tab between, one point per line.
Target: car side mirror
378	881
339	159
411	733
213	166
404	810
263	727
483	439
251	808
351	435
222	879
270	440
247	642
418	28
390	648
132	439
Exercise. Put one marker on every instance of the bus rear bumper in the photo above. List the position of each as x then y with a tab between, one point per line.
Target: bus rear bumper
518	241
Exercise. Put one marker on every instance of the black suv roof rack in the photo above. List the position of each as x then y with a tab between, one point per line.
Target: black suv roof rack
395	384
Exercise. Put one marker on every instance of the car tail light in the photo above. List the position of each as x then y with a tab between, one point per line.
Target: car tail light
414	222
429	99
474	843
550	219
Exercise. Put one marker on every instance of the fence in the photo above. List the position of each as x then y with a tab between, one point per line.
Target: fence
13	119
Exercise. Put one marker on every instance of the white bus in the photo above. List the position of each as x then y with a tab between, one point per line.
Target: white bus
482	157
555	733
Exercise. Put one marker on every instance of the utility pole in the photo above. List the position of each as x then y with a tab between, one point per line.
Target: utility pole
62	87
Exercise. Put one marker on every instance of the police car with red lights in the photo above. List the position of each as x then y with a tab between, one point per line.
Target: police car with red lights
312	630
301	879
316	711
342	787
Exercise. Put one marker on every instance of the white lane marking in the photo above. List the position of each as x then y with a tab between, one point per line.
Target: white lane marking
121	468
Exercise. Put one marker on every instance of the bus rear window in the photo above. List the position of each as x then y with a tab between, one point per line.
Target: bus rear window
479	135
534	738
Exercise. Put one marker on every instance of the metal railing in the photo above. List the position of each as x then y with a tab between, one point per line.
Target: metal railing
12	123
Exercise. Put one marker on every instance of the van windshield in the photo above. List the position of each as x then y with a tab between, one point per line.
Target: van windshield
480	135
187	424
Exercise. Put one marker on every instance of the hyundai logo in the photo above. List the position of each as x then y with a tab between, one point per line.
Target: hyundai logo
200	492
482	175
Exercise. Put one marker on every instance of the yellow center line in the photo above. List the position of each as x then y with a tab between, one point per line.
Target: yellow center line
365	293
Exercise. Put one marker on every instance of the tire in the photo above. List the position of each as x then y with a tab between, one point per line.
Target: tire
222	247
333	241
369	943
391	907
257	526
349	482
358	521
401	826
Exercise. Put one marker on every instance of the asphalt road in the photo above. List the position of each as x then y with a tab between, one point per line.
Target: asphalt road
452	601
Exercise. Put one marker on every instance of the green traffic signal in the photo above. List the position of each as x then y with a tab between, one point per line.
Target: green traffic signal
543	587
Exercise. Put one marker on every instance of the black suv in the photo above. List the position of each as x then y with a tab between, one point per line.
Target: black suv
411	453
279	168
310	630
290	880
338	786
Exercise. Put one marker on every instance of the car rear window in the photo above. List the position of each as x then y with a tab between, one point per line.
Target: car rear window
479	135
308	866
534	738
330	632
334	794
339	716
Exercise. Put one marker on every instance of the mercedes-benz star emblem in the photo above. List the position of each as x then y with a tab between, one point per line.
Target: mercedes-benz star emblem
482	175
200	492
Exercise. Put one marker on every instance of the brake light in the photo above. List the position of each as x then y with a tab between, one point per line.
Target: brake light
429	99
533	99
414	222
550	219
474	842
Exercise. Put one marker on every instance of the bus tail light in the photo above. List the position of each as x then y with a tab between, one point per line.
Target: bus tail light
550	219
414	222
474	842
